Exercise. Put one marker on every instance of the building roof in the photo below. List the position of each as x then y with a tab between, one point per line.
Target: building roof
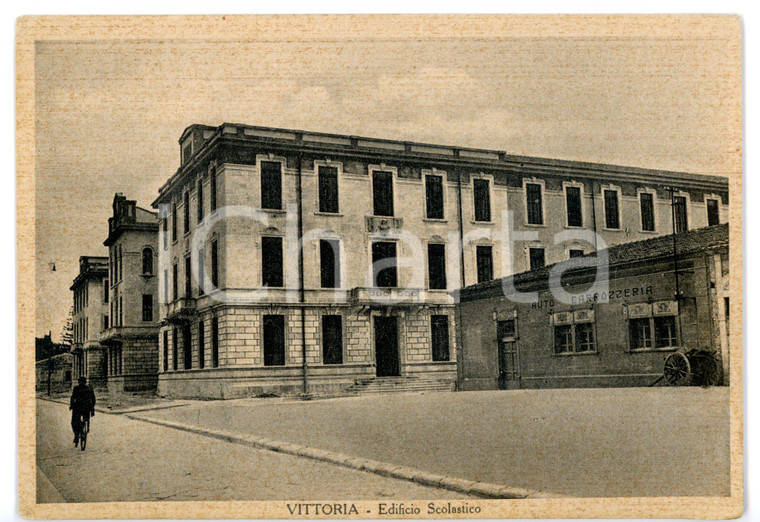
128	216
339	144
689	242
90	267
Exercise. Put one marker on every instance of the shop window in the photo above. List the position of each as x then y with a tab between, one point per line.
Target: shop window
534	203
274	340
574	207
537	258
713	212
382	193
482	195
439	337
433	196
574	332
328	189
271	262
646	200
437	266
665	332
332	339
384	264
329	263
271	185
611	209
484	255
640	334
681	216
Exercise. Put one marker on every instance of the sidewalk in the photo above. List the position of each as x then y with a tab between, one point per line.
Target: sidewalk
121	404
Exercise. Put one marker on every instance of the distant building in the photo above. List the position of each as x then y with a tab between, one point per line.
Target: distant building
391	228
129	328
619	337
90	290
54	374
45	347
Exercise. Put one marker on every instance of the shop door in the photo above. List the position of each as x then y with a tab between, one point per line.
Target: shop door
509	361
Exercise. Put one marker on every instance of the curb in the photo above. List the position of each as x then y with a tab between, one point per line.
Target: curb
120	411
468	487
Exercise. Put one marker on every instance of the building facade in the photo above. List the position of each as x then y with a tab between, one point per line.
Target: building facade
389	229
90	288
616	336
128	332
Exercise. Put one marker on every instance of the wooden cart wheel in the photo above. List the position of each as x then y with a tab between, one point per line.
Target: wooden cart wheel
677	369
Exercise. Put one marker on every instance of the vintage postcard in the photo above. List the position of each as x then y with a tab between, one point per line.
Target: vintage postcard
380	266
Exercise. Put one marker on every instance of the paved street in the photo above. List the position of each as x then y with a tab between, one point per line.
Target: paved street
129	460
581	442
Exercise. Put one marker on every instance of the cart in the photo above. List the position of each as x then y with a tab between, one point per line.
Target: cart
697	367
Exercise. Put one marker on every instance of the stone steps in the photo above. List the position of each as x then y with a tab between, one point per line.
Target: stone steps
398	385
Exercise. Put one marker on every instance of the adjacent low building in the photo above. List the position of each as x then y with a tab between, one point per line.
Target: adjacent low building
664	294
90	288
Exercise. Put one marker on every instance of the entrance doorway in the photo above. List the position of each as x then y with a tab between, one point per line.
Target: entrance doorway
509	363
386	346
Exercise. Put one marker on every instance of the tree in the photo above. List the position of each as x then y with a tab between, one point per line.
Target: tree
67	334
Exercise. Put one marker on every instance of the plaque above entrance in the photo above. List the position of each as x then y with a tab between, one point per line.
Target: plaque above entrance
380	224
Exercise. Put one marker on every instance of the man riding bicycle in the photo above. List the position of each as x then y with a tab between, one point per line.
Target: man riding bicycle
82	406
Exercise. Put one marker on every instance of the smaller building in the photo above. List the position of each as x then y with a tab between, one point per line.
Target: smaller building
664	294
90	288
54	374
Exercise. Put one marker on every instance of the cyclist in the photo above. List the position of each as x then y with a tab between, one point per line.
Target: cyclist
82	406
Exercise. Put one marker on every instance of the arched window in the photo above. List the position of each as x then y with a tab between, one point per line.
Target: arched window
147	261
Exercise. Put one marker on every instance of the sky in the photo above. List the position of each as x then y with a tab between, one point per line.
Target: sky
109	112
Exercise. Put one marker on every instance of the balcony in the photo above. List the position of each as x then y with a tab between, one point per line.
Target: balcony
385	296
181	310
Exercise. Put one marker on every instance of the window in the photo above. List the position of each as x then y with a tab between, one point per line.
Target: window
187	151
271	261
186	213
214	342
332	339
329	263
437	266
646	200
147	261
166	350
105	290
640	331
188	277
679	212
165	226
384	268
175	276
482	195
201	271
174	349
713	212
574	206
271	185
214	264
382	193
174	221
328	189
274	340
187	345
433	196
665	332
121	310
484	255
576	252
201	345
574	332
439	337
611	209
147	307
200	200
166	286
537	259
212	189
105	321
534	203
121	265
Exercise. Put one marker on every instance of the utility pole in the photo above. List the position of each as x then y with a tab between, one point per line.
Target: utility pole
678	296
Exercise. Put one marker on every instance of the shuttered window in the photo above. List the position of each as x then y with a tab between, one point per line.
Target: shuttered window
534	203
681	217
713	213
434	196
439	337
647	212
482	195
382	193
332	339
574	209
271	261
611	209
328	189
484	256
271	185
437	266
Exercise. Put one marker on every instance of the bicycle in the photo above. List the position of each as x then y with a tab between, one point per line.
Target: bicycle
84	429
